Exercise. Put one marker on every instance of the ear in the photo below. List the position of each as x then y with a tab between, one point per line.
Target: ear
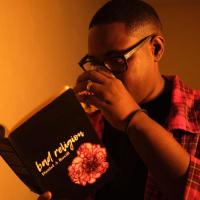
157	43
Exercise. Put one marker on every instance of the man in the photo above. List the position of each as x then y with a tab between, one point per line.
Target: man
156	151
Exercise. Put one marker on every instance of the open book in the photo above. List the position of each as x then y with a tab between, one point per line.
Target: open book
56	148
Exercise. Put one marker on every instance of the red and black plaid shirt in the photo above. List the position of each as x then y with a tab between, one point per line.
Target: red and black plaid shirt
184	123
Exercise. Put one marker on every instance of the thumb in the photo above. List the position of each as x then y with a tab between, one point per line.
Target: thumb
45	196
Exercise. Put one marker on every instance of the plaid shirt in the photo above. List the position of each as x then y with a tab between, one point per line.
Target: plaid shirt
184	123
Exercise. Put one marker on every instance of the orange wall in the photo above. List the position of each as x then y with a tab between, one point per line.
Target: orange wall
181	22
41	42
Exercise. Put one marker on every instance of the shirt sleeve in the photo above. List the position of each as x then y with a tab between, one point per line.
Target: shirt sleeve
192	189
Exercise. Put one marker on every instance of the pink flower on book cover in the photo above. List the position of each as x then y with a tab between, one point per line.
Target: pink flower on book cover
89	164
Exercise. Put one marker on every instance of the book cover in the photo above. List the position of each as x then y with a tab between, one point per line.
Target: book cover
57	149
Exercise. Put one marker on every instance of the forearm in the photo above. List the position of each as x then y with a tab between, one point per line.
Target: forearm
162	154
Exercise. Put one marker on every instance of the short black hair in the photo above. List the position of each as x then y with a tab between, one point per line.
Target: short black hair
133	13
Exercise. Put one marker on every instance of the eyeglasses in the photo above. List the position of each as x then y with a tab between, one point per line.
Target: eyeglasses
116	63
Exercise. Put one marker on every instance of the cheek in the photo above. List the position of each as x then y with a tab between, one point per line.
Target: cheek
133	83
137	70
138	78
143	66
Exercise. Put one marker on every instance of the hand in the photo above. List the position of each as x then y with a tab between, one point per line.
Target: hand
45	196
108	94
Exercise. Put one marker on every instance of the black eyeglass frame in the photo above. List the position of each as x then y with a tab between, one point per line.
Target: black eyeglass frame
124	55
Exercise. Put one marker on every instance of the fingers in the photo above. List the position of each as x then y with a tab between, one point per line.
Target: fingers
95	76
86	81
93	88
99	77
107	73
94	92
96	102
98	91
45	196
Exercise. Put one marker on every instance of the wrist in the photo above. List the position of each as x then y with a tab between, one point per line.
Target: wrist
131	116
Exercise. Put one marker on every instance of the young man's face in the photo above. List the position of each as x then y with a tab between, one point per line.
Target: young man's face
142	74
